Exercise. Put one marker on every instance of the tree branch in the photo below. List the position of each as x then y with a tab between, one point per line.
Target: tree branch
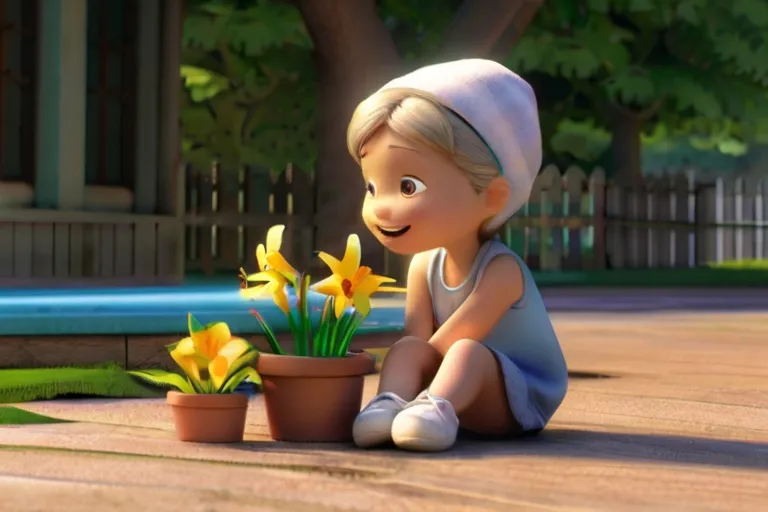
515	30
478	26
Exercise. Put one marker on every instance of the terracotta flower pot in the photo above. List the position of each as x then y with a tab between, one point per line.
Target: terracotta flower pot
209	418
313	399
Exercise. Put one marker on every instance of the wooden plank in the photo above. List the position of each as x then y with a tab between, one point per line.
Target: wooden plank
575	185
123	257
750	212
258	188
106	251
228	190
42	250
91	251
706	215
761	209
145	250
52	351
597	190
168	246
22	250
303	209
662	212
548	193
638	236
61	252
6	254
615	238
727	238
203	182
79	217
76	250
682	239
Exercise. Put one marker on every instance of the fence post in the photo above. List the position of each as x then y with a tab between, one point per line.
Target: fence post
303	200
761	218
575	180
257	189
597	192
682	221
706	219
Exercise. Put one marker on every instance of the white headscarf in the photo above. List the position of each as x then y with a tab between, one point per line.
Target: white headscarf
500	106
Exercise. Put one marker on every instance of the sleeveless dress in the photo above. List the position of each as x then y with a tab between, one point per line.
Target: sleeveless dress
523	341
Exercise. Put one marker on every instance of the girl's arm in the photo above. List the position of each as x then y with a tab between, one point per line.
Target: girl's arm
419	320
500	287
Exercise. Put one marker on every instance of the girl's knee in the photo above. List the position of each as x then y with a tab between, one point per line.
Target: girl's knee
464	347
413	348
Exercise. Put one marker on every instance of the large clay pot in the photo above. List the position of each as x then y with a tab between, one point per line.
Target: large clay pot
209	418
313	399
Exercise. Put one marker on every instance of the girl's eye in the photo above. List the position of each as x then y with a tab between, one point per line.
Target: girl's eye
410	186
371	188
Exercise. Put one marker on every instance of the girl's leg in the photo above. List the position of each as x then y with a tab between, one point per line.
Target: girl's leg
468	388
408	367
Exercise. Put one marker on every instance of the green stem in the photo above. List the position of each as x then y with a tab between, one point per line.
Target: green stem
349	333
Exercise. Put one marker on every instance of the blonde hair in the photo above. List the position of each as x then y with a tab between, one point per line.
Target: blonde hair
418	116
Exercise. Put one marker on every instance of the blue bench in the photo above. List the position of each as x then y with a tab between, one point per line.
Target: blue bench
154	311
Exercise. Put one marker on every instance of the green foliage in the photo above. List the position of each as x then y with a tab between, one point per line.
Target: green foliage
16	416
417	27
24	385
248	81
701	67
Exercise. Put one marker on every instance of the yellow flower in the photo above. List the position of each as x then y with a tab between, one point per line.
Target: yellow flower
213	348
350	283
275	272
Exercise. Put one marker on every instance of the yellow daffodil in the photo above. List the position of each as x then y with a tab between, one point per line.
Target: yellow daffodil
211	347
275	272
350	283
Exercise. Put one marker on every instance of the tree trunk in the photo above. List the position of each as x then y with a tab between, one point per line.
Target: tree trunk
626	145
354	55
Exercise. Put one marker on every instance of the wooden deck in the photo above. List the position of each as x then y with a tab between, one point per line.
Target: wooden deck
681	423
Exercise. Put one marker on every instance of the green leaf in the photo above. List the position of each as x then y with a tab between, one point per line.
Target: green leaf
687	11
239	377
164	379
193	324
274	345
600	6
641	5
245	361
756	11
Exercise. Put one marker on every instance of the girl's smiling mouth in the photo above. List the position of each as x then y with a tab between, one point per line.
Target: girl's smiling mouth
393	232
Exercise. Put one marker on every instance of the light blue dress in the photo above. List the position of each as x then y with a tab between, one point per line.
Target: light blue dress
523	341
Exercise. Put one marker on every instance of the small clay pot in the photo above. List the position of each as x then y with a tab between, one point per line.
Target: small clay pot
209	418
313	399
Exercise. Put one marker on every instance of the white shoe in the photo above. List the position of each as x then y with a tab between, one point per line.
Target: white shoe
428	424
373	426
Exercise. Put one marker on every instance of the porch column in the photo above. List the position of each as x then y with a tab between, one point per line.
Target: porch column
170	186
60	172
170	174
148	83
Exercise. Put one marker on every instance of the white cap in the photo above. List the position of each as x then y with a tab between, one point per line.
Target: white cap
500	106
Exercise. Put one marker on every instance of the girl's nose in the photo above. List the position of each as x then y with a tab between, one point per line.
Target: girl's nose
382	210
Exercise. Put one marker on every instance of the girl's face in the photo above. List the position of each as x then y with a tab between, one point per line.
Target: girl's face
416	198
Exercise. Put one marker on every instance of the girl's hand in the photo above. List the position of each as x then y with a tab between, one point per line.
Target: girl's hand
500	287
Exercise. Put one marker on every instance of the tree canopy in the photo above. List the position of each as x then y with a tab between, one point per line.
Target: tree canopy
695	71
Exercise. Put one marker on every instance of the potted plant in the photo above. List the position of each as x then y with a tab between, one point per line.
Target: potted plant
314	393
206	408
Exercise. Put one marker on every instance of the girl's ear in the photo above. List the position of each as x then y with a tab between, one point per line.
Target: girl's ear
497	195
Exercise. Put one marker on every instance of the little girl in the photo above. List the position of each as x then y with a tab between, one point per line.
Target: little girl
449	152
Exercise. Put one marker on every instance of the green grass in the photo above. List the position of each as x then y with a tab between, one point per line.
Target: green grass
16	416
720	277
761	264
24	385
